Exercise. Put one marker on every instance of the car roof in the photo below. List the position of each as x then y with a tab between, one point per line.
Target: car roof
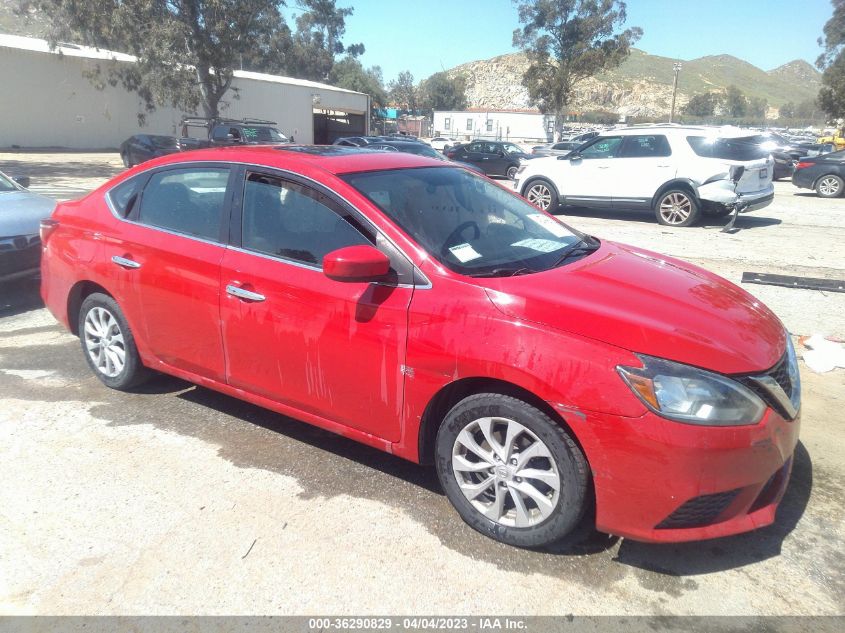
681	130
334	159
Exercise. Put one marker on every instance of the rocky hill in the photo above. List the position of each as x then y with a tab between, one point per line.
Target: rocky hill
642	85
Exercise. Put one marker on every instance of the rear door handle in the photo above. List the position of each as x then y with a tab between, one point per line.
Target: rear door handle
240	293
125	263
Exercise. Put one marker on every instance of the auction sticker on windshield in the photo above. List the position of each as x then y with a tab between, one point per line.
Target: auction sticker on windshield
539	245
464	253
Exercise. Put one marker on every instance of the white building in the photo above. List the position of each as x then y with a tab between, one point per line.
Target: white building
47	101
500	124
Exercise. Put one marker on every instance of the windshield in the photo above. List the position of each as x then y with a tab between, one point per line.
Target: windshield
6	184
469	224
262	135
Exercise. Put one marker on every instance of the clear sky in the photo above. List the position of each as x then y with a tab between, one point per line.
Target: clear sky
431	35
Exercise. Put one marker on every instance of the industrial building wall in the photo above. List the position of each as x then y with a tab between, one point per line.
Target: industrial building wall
46	101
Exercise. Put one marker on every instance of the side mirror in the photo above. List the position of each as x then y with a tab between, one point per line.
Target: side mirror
573	156
23	181
736	173
356	264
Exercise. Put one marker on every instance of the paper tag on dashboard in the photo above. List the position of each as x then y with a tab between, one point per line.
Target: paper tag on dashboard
464	253
539	245
550	225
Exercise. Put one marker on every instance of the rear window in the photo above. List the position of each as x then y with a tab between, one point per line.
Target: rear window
741	149
123	196
186	201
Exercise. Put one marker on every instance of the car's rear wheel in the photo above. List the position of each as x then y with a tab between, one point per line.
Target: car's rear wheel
511	172
542	194
125	158
108	344
829	186
676	207
511	472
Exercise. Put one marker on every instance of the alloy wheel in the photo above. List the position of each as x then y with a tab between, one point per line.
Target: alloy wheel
104	342
539	195
829	186
506	472
675	208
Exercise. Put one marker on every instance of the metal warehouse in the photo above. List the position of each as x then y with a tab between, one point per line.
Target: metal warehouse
47	101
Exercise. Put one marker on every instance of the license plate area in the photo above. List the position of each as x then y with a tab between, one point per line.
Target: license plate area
764	173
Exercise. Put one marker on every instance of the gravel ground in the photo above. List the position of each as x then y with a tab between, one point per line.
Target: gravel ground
178	500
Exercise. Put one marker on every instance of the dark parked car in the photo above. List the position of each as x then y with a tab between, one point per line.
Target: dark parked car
824	173
366	141
420	149
495	158
142	147
21	211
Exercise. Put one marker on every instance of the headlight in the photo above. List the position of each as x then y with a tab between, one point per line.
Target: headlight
690	395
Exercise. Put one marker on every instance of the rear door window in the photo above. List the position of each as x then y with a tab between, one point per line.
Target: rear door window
738	149
645	146
188	201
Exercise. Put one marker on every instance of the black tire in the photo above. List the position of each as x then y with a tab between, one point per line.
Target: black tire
133	372
542	194
677	207
830	186
511	172
125	158
566	508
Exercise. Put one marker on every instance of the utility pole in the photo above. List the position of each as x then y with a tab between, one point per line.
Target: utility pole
677	68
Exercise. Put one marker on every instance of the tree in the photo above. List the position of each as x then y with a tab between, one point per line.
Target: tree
566	41
350	74
441	92
735	102
402	91
311	51
757	107
832	62
701	105
787	110
186	50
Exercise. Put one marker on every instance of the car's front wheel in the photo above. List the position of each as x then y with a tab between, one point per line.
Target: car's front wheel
829	186
511	472
676	207
108	344
542	194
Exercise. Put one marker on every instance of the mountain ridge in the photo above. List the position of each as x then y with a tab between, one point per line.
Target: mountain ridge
642	84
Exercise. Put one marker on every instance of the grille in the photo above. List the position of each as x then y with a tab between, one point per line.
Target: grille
780	374
699	511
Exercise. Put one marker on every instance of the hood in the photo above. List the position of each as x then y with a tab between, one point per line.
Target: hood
645	302
22	211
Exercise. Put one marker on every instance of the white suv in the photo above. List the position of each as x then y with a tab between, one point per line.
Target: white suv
678	172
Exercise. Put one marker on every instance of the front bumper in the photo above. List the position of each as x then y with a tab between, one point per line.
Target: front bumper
660	481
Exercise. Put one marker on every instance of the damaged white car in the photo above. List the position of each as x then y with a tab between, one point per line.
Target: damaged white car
678	172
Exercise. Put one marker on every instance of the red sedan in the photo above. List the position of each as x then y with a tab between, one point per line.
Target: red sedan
418	307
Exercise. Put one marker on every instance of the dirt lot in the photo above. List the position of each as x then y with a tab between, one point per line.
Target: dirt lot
181	500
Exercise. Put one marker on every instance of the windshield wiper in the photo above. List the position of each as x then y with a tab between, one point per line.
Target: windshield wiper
579	249
504	271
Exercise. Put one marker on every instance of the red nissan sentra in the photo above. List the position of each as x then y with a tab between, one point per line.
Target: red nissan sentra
420	308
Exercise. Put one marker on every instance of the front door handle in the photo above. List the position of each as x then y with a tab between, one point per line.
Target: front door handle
124	262
240	293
